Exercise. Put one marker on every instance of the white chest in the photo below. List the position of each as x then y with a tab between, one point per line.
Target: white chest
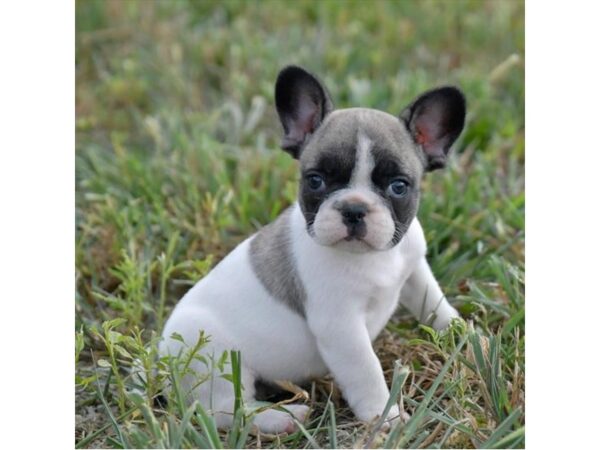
340	283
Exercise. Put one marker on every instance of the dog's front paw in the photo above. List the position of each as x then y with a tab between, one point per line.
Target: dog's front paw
394	417
444	317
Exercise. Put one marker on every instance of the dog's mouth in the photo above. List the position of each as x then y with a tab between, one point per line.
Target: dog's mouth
354	244
351	243
351	236
354	237
355	240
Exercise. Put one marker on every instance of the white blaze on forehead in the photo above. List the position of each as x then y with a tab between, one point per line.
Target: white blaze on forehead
363	166
329	227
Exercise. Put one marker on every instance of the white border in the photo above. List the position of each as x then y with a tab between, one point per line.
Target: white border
563	223
37	225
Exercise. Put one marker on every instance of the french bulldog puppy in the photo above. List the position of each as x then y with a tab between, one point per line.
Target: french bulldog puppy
308	293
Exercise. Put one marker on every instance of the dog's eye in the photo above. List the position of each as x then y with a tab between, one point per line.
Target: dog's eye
315	182
398	188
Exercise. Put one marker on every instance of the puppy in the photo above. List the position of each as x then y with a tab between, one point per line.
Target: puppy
308	293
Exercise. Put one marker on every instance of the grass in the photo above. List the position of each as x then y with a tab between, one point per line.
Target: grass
177	161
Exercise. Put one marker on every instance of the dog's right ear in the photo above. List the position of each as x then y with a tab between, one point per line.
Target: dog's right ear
302	104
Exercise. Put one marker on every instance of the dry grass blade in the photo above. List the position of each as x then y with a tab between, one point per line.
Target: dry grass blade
298	392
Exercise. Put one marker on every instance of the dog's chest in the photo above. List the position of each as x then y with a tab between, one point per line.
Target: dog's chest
384	295
370	288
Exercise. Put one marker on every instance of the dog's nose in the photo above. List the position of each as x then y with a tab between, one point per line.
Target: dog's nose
353	213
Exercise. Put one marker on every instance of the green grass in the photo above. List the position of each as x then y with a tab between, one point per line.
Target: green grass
177	161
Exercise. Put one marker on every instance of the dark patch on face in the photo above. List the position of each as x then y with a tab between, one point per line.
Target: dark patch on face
335	164
389	168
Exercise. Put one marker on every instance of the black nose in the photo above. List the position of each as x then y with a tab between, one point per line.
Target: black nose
353	213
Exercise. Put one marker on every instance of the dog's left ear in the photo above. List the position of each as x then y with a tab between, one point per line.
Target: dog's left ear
435	120
302	104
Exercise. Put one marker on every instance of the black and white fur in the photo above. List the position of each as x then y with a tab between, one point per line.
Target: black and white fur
309	293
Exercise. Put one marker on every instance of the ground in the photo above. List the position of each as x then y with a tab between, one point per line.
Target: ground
178	160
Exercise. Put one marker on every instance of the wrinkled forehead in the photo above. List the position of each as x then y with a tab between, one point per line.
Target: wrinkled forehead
337	139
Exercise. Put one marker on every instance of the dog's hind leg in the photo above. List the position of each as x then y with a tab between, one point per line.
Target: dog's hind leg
205	381
217	394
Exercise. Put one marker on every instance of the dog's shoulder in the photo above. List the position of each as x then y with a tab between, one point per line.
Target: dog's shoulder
273	262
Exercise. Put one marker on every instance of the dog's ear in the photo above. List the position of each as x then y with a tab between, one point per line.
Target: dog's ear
435	119
302	104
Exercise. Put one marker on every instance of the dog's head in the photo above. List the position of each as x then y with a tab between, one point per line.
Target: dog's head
361	168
